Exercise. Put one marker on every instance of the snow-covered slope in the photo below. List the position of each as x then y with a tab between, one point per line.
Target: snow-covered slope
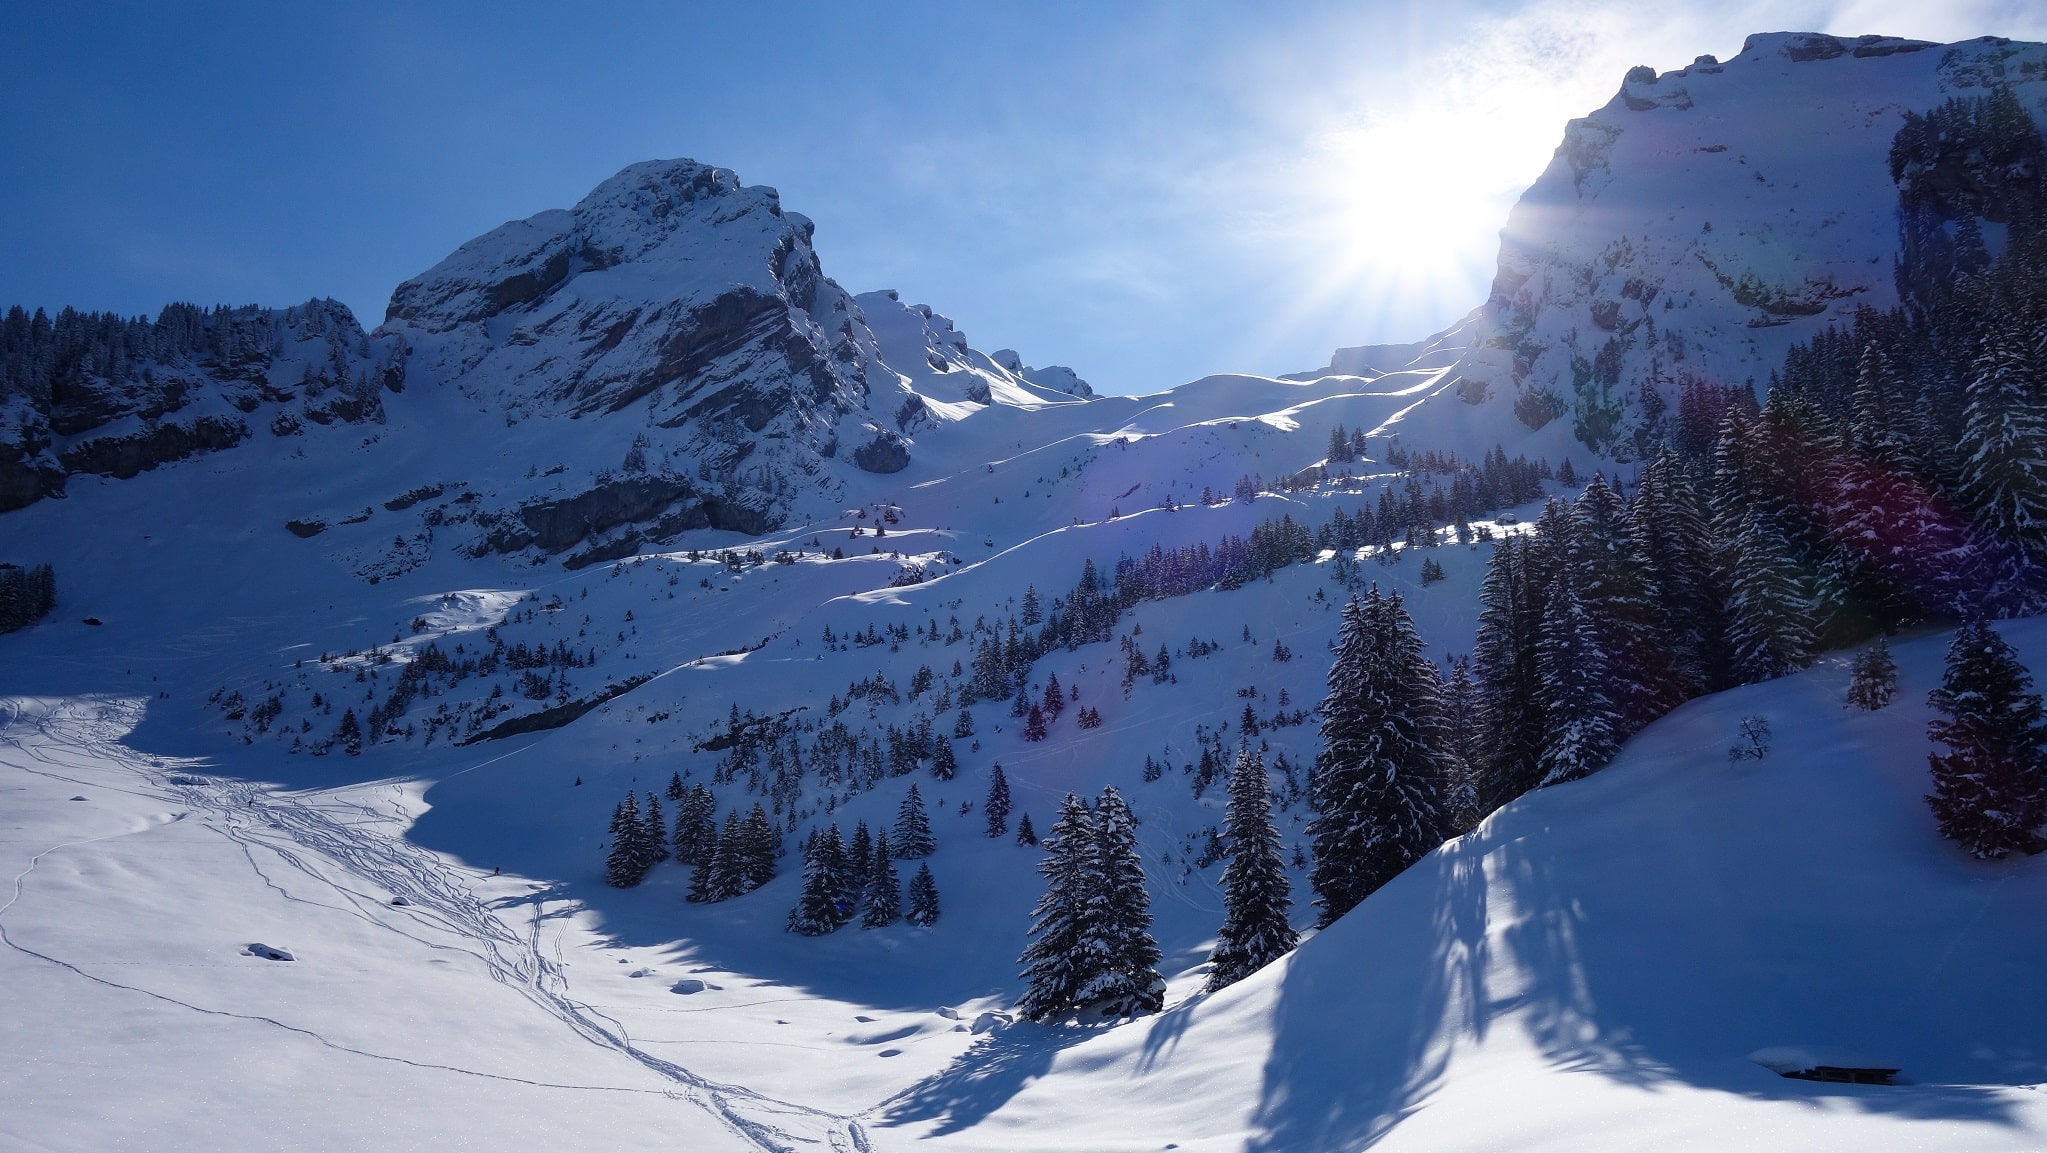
1605	965
1616	963
640	479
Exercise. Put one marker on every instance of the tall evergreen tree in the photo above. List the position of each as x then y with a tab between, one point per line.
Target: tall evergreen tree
1770	615
997	805
1673	552
1060	959
1506	661
1873	678
2004	445
1126	980
944	762
729	862
913	828
626	864
1584	722
923	909
694	824
1990	788
703	873
859	859
882	904
1375	789
1256	896
822	907
763	846
1460	748
654	832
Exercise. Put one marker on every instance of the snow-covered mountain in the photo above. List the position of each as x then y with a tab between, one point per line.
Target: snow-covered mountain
1707	219
633	492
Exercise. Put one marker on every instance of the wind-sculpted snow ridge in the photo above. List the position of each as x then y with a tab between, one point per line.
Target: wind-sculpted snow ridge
1701	223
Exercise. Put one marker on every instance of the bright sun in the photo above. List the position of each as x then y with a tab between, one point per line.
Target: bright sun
1414	203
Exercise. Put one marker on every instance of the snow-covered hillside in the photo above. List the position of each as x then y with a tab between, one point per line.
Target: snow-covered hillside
1600	964
306	785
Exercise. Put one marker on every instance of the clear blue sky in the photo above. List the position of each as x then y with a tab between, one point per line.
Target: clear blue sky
1146	191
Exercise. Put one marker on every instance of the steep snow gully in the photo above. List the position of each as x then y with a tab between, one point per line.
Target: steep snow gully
341	853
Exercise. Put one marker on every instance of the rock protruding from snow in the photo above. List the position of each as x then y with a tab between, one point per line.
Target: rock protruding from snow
268	952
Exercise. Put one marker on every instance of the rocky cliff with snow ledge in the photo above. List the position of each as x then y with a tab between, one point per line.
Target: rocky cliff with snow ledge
1704	221
695	308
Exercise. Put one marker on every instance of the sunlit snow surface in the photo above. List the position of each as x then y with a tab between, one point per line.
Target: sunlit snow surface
1592	968
1599	966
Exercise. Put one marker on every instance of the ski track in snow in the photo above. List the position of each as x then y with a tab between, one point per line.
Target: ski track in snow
305	832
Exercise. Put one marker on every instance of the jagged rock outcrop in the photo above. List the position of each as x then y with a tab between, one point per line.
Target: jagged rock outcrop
1708	218
682	317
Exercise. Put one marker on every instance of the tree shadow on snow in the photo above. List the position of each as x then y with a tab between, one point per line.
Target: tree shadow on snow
1605	995
1368	1013
1358	1028
984	1078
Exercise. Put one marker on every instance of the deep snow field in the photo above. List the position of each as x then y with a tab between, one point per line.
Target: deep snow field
219	929
1594	967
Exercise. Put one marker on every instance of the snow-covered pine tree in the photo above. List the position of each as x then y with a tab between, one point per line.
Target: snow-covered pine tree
944	762
822	907
1025	835
1600	557
1062	956
1376	780
997	804
1873	678
913	828
2004	445
676	792
1990	788
763	846
624	862
1459	747
654	832
348	733
882	904
1585	723
1034	724
1672	548
1127	981
1769	611
703	873
1505	659
859	859
923	898
1256	896
694	823
729	863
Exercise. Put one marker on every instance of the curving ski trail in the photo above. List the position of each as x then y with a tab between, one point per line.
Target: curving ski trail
341	848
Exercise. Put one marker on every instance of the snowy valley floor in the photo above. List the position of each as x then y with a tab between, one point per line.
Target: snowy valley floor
1592	969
